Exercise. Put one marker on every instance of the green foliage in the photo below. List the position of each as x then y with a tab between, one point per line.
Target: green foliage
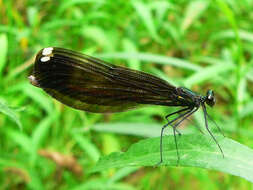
3	53
198	44
194	150
11	113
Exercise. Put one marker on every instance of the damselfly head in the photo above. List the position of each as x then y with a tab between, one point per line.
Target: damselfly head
210	99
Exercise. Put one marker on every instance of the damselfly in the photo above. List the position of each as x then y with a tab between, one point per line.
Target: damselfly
87	83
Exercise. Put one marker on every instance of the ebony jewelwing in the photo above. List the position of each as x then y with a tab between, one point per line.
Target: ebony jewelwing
90	84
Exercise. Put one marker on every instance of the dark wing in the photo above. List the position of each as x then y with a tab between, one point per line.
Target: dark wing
90	84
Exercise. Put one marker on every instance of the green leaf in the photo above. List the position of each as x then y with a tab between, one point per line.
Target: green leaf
194	150
158	59
3	52
247	109
98	35
20	139
70	4
193	12
136	129
36	95
229	34
5	109
102	184
130	46
208	73
86	145
145	14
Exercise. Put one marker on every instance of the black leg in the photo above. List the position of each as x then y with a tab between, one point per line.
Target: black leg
206	124
209	117
179	111
182	118
174	129
185	116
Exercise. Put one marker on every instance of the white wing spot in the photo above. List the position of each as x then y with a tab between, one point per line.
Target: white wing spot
44	59
47	51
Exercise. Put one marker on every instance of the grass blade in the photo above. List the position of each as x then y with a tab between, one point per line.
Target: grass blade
3	52
5	109
90	149
180	63
208	73
193	12
136	129
144	11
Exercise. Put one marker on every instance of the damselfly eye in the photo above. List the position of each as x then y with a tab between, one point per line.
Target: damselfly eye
210	99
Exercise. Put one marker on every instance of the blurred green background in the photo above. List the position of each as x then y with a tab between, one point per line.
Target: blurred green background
199	44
